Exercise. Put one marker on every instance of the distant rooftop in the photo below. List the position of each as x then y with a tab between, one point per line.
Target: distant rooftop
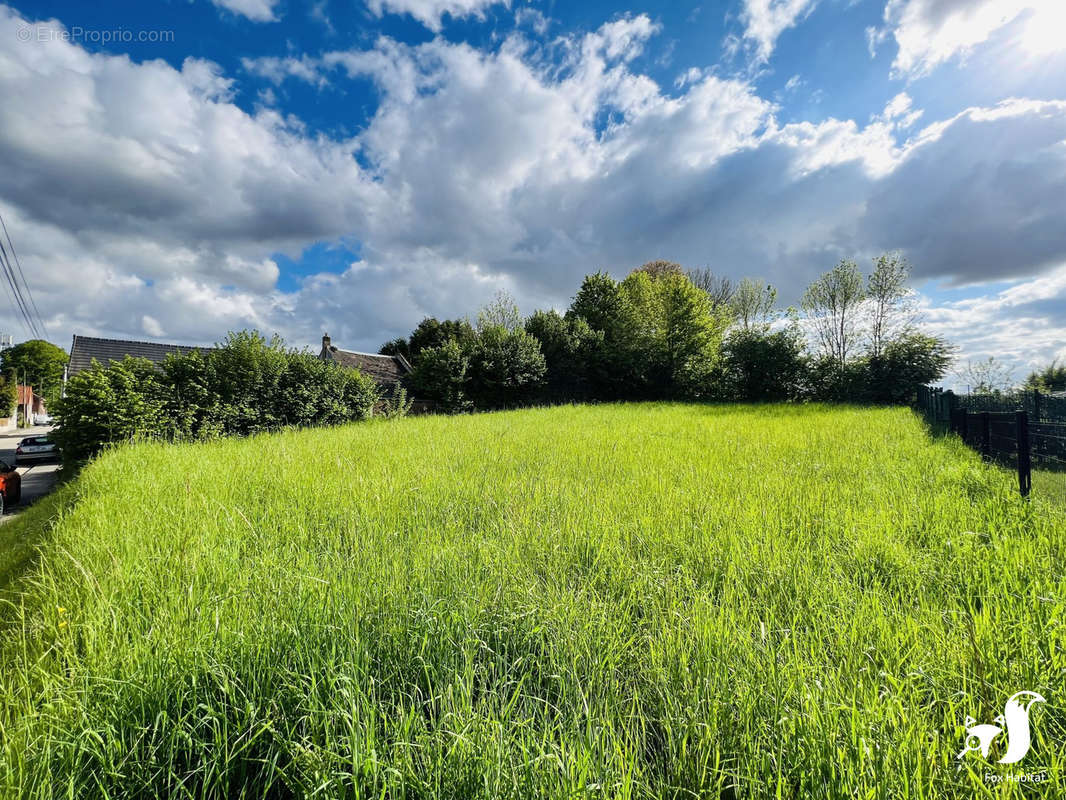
383	369
86	348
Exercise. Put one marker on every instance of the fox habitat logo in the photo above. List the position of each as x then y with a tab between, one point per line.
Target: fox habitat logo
1014	721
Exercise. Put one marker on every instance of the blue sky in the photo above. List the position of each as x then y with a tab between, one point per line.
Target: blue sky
357	165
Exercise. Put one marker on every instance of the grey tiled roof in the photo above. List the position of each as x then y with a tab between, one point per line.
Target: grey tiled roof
86	348
383	369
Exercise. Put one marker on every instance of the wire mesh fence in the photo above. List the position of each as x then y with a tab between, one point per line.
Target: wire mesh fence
1024	431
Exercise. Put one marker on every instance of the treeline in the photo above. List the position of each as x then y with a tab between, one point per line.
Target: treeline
246	385
664	333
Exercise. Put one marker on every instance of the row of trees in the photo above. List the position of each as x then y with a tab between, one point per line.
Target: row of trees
663	333
246	385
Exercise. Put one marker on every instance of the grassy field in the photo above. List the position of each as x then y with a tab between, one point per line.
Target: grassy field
619	601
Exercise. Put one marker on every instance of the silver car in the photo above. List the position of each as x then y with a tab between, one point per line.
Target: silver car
36	448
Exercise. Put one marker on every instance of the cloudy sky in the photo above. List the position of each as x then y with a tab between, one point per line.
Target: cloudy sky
172	170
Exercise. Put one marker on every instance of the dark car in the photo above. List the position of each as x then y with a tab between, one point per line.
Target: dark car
10	487
36	448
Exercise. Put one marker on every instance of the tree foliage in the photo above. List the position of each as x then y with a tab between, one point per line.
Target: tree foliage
753	304
759	365
570	349
506	368
833	303
440	377
36	363
246	385
1051	378
904	364
430	332
987	377
891	306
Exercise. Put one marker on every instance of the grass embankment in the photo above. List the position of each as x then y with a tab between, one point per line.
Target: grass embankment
618	601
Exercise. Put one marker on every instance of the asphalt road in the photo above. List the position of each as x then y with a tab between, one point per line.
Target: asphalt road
38	479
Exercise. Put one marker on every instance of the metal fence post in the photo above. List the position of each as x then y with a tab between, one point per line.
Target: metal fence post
1025	477
986	435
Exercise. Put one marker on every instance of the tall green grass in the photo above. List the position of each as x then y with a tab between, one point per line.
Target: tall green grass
629	601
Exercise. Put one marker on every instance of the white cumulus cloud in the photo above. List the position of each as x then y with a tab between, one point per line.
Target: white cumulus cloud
255	10
431	12
145	202
765	20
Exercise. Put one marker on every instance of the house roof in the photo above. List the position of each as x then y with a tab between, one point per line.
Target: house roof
383	369
86	348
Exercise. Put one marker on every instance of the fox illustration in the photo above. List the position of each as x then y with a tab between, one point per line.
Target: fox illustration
1015	719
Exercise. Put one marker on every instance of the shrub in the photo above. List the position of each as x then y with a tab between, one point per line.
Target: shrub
905	363
569	346
440	377
759	365
506	368
118	403
245	386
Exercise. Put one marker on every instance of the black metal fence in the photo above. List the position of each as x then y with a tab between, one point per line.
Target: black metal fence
1022	430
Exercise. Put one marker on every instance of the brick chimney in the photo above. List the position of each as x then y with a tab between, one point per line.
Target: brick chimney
325	341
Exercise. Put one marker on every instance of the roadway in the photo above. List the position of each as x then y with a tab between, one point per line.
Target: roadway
37	479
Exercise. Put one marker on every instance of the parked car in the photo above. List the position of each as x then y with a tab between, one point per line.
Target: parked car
10	487
35	448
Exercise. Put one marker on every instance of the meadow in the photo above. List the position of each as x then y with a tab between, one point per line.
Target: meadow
618	601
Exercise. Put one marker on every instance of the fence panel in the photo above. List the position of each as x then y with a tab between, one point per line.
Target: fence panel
1014	430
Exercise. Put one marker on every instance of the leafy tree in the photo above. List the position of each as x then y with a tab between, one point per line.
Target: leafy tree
440	377
826	379
9	396
1051	378
601	303
905	363
502	311
192	404
570	348
674	334
118	403
832	303
753	304
396	347
691	335
987	377
245	370
360	394
762	366
891	304
310	391
430	333
506	368
616	365
36	363
660	269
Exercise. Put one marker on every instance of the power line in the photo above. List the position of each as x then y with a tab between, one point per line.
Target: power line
20	301
18	264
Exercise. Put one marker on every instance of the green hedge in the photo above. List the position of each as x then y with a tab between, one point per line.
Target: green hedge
247	385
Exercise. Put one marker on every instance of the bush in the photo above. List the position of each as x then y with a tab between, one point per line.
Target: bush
905	363
758	365
245	386
506	368
569	346
440	377
118	403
